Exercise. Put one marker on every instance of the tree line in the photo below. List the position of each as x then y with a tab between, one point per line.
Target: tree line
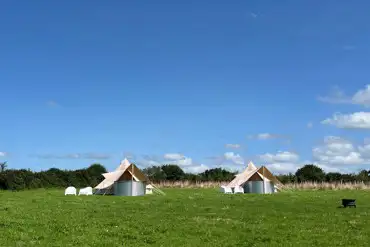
171	172
312	173
12	179
308	173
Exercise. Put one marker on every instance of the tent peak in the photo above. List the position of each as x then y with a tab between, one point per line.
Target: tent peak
251	165
123	165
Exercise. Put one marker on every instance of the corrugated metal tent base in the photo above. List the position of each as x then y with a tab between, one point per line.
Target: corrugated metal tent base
257	187
129	188
107	191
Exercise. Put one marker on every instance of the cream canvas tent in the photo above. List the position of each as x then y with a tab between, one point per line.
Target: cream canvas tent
256	180
126	180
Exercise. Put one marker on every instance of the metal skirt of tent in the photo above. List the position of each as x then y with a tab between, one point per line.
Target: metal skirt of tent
257	187
129	188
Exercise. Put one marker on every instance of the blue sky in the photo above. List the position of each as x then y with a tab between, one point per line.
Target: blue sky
92	81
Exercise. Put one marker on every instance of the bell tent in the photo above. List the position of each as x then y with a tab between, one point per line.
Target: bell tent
256	180
126	180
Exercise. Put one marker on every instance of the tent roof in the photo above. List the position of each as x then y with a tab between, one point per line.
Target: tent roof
111	177
123	165
250	167
243	177
104	184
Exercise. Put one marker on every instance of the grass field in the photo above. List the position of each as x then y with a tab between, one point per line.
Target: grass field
184	217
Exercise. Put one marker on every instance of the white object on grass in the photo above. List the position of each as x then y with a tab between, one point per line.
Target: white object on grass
86	191
149	189
238	189
226	190
70	191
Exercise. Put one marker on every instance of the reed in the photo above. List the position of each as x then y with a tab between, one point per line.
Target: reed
289	186
327	186
190	184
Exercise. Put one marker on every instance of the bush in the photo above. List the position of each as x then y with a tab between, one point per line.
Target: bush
52	178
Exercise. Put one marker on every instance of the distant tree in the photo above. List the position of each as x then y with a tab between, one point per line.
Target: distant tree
363	176
310	173
96	170
155	173
54	177
3	166
217	174
287	178
192	177
348	178
173	172
333	177
94	173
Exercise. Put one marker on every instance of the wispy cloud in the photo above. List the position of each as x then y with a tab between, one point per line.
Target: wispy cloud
52	103
309	125
234	146
92	156
267	136
337	96
173	156
234	157
3	154
357	120
253	15
336	151
168	158
129	155
348	47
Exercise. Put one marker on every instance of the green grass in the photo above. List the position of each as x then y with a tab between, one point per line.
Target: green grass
184	217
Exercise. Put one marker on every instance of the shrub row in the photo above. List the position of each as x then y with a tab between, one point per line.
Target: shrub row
52	178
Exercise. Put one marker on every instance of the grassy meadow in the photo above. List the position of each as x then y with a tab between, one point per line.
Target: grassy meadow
184	217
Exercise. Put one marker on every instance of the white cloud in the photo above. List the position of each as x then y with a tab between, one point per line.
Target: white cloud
289	162
151	163
233	157
231	167
336	151
337	96
184	162
357	120
283	168
366	140
267	136
174	156
181	160
362	97
93	156
196	169
327	168
3	154
145	160
348	47
281	162
253	15
280	157
52	103
335	154
364	150
235	146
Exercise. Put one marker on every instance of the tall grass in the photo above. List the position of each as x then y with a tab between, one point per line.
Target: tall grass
190	184
290	186
327	186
